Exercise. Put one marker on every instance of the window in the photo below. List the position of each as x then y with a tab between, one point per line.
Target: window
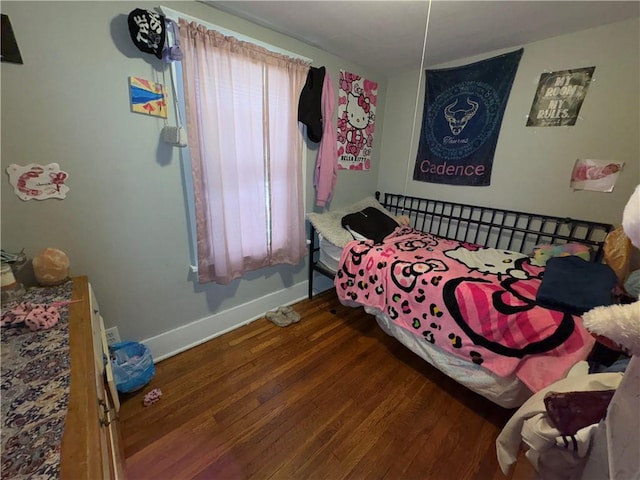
246	152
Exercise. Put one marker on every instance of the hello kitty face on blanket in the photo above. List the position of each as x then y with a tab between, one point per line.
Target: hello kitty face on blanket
423	242
405	275
513	297
490	261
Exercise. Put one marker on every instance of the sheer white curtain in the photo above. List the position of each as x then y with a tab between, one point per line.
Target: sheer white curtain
246	153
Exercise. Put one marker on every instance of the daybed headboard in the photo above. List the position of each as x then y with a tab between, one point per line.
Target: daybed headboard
494	227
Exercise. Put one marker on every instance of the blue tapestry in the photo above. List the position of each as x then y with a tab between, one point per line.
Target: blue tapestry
463	108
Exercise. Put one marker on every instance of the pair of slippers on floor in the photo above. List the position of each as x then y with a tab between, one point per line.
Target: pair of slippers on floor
283	316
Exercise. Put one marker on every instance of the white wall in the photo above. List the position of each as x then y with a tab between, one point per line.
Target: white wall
124	221
532	165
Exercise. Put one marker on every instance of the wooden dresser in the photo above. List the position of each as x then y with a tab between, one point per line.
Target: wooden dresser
91	447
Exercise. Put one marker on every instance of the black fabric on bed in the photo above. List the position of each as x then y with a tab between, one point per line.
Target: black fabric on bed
370	223
574	285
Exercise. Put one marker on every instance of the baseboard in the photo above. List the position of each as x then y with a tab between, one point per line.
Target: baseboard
188	336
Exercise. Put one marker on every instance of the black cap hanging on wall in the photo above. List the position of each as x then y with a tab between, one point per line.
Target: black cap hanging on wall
147	30
310	103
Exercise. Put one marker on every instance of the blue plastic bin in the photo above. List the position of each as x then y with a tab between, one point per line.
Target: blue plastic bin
132	365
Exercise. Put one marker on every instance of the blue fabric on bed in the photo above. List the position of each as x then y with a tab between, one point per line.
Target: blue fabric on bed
574	285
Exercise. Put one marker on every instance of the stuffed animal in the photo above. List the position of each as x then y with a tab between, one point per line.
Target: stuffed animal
621	323
610	456
617	323
631	218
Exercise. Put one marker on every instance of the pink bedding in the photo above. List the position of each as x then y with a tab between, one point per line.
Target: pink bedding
473	302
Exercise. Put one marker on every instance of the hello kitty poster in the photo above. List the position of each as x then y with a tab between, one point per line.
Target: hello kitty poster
357	100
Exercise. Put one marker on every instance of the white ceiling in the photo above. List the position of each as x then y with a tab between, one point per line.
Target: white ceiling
389	34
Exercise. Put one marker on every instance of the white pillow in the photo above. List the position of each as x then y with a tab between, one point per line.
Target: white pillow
329	224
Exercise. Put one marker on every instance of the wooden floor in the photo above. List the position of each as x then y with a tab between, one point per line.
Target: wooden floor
332	397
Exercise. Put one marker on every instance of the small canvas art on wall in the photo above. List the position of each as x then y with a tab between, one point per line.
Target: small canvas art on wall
38	181
595	175
147	97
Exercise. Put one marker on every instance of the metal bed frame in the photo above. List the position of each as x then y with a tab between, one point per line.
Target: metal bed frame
486	226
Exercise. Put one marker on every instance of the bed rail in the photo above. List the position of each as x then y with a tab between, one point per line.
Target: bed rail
495	227
314	264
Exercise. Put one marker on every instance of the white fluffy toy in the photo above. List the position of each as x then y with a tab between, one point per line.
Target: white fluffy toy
631	218
618	323
611	455
621	323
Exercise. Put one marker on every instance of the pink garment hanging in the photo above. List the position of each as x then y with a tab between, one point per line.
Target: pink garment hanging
326	172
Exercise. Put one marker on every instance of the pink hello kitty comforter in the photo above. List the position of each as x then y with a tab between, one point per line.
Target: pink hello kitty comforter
473	302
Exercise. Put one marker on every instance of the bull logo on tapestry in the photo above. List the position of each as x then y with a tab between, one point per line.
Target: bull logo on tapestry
459	118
